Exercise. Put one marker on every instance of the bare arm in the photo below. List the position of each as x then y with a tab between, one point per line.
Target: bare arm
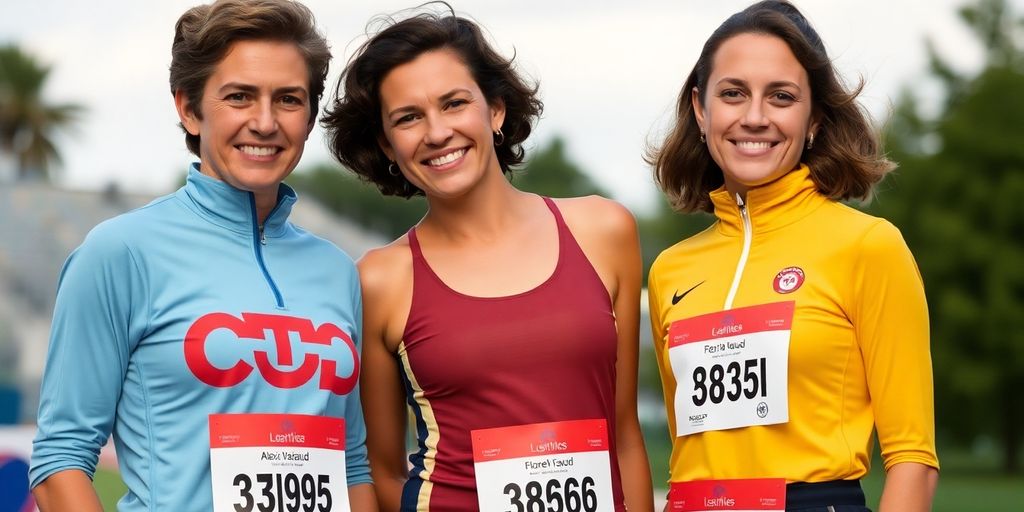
70	489
608	236
909	487
361	498
382	394
632	454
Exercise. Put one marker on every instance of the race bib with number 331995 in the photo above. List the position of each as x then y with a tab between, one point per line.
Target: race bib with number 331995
278	463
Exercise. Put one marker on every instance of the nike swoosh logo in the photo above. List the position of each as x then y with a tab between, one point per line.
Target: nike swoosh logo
676	297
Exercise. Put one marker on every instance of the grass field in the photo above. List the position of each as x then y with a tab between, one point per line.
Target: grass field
110	488
966	484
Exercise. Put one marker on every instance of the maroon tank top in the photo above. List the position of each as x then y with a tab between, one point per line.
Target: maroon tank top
547	354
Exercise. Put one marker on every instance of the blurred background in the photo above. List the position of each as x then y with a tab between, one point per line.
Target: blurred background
88	130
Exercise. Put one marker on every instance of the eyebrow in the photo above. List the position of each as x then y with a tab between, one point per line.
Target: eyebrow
771	85
444	97
253	89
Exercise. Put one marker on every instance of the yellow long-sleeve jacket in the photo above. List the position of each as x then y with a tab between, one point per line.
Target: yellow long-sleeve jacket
858	355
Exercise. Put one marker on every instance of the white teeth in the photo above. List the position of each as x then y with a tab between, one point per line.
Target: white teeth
450	157
257	151
753	145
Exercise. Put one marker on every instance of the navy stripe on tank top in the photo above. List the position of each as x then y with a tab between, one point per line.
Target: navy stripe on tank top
546	354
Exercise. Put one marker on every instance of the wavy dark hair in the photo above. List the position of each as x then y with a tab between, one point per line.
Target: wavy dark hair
846	160
204	34
353	121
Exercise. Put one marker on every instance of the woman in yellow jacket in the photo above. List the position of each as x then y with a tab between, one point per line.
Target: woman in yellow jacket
794	325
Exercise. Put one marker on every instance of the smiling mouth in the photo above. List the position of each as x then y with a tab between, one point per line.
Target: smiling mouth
447	159
754	145
259	150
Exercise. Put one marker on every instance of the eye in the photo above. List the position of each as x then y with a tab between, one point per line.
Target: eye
731	95
289	99
782	97
456	103
408	118
237	97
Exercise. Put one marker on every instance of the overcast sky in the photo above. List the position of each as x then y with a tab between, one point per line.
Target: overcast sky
609	71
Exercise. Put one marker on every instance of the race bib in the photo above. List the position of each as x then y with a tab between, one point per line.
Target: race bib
544	467
731	368
278	463
758	494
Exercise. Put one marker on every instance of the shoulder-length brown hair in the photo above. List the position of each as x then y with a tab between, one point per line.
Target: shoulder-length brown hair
845	161
353	121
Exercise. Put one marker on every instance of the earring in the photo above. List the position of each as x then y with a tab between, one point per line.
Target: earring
393	169
703	138
499	137
810	140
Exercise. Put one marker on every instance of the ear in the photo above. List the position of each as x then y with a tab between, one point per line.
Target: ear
385	146
815	125
698	108
497	114
186	114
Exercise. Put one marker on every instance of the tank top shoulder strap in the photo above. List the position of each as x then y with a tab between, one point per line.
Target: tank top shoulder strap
569	250
556	212
414	245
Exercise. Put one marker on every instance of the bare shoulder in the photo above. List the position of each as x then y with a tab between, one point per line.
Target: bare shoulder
596	217
386	269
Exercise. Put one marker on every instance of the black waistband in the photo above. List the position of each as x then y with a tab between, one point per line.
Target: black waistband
823	494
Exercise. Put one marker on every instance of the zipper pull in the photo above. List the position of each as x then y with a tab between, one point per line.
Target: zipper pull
263	238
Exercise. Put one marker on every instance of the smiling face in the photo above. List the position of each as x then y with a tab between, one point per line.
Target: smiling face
438	126
756	112
255	116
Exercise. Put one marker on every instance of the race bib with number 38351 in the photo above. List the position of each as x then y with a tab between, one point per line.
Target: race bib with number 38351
731	368
278	463
544	467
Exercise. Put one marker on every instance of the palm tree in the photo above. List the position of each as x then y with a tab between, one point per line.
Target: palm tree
27	123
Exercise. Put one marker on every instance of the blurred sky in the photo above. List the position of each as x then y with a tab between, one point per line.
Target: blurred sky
609	71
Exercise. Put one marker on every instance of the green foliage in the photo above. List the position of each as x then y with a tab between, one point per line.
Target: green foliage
27	123
359	201
550	173
957	199
666	228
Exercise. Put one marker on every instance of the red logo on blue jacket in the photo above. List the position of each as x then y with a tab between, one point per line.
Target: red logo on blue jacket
254	326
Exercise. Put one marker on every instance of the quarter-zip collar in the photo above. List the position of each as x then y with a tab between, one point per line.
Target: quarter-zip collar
231	208
771	206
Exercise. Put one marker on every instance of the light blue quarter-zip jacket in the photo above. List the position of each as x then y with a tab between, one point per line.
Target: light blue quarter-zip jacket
185	308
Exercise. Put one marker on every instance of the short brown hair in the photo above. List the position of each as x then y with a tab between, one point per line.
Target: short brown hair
204	34
353	122
846	160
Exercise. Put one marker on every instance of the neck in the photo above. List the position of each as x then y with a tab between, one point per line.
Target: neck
483	214
265	203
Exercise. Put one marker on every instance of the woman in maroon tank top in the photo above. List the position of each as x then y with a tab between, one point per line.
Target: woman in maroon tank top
505	321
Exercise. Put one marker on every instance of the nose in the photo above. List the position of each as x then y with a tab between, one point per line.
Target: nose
438	131
264	119
755	116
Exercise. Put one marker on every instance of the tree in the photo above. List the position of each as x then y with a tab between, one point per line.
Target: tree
957	199
27	123
550	173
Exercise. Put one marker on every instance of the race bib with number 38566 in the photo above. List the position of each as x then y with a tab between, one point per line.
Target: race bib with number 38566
544	467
